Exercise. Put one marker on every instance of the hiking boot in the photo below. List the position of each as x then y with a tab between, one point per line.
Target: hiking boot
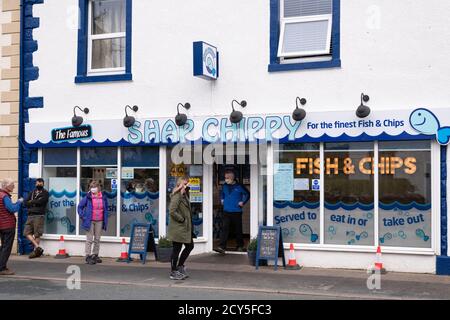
96	258
6	272
39	252
33	254
176	275
220	250
182	270
90	260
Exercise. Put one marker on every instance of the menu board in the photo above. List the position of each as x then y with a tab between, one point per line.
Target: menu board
270	245
139	240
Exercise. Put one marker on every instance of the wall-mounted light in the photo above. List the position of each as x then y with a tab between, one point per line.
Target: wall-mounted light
181	118
77	120
128	121
363	110
236	116
299	113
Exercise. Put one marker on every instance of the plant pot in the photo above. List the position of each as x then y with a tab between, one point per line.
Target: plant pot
252	259
163	254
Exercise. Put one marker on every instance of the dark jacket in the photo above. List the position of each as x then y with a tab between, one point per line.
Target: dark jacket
36	202
231	195
85	211
180	219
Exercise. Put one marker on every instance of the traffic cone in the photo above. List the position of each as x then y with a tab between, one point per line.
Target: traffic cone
62	254
378	266
292	264
123	252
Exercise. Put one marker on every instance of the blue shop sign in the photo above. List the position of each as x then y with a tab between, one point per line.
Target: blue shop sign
206	61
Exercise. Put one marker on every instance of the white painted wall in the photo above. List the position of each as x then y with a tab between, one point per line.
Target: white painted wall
311	259
400	60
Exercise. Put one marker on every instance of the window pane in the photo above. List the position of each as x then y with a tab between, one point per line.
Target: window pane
175	170
300	8
108	16
306	36
60	157
139	188
349	194
101	164
300	219
405	195
61	183
144	157
108	53
99	156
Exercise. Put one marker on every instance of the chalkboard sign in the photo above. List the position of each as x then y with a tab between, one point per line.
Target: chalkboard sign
270	245
139	240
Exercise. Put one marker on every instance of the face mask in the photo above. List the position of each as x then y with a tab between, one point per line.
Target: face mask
94	190
228	181
39	187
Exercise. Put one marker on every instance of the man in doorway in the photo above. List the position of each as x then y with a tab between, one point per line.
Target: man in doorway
233	197
34	227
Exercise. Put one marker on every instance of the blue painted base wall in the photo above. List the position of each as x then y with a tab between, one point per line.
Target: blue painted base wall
443	265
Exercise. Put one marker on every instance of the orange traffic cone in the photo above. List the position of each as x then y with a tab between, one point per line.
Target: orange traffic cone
378	267
292	264
62	254
123	252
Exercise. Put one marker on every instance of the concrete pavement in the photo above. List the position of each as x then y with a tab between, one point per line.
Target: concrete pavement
216	277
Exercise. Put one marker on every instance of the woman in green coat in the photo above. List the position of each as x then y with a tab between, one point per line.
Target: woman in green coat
180	228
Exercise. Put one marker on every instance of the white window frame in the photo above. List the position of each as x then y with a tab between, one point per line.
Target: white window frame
284	21
90	40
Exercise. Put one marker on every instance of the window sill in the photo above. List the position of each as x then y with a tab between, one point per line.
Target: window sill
278	67
104	78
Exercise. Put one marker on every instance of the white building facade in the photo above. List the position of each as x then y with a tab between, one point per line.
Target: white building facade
337	184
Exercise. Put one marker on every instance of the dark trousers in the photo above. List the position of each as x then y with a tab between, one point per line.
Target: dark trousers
7	237
235	221
176	253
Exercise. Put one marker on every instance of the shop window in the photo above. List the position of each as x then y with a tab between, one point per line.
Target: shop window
139	188
104	40
405	194
296	192
184	161
101	164
60	176
349	193
305	34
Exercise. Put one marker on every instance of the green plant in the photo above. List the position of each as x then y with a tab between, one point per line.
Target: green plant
253	244
164	243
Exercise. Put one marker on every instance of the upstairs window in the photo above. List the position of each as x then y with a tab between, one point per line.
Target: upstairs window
104	41
107	34
305	34
305	28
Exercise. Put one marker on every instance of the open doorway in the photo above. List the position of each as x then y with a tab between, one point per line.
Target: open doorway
242	175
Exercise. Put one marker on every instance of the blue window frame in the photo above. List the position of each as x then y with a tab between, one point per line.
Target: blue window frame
275	30
83	75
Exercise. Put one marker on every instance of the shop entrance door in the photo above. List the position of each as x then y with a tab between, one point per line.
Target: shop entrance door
242	174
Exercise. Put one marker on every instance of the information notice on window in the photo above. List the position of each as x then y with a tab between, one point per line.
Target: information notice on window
283	182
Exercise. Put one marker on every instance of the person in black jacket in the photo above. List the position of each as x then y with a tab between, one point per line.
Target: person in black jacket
37	206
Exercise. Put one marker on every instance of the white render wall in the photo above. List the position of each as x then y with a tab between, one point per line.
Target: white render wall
395	51
306	258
